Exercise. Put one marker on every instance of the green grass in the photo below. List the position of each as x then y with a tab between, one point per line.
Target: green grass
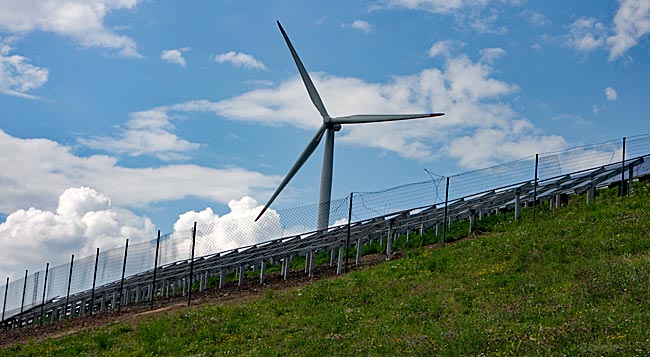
573	282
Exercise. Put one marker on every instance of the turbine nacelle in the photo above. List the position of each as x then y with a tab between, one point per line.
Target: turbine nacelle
330	126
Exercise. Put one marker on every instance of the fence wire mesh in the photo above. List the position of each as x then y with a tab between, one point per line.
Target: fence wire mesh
237	230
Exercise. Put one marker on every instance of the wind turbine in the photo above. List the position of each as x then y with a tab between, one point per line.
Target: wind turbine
328	128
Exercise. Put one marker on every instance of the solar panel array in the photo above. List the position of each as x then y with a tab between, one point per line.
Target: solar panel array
75	289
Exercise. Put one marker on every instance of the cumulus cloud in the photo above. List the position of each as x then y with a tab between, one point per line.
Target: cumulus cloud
174	56
466	90
80	20
17	75
611	94
147	132
24	183
84	219
234	229
239	59
361	25
632	21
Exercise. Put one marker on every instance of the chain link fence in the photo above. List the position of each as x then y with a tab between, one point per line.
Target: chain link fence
238	231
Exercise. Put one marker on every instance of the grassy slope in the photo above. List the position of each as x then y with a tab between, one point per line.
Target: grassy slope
575	281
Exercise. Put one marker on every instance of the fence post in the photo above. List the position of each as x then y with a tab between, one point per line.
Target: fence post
535	185
67	297
189	283
47	270
92	294
622	192
22	302
126	250
347	239
155	270
444	223
4	305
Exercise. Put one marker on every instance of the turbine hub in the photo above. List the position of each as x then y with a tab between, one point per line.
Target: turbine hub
327	119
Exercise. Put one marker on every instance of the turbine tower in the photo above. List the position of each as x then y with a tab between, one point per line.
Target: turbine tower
328	128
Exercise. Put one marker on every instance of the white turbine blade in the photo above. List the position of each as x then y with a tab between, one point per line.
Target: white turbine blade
311	89
306	153
376	118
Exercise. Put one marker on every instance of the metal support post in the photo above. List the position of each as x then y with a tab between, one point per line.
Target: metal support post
444	228
535	185
47	270
389	240
472	220
358	257
222	278
4	305
155	270
126	250
347	239
22	302
67	298
339	265
262	271
189	282
92	295
622	191
240	282
517	204
630	180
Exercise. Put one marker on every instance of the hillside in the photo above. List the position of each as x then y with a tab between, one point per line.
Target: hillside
573	281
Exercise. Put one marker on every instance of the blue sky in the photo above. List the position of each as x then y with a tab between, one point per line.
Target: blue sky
120	115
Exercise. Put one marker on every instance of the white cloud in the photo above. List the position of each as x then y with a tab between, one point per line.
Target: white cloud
481	15
464	89
481	148
80	20
84	220
575	119
586	34
443	48
490	54
437	6
630	24
611	94
146	133
17	75
174	56
22	183
233	230
361	25
535	18
239	59
632	21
